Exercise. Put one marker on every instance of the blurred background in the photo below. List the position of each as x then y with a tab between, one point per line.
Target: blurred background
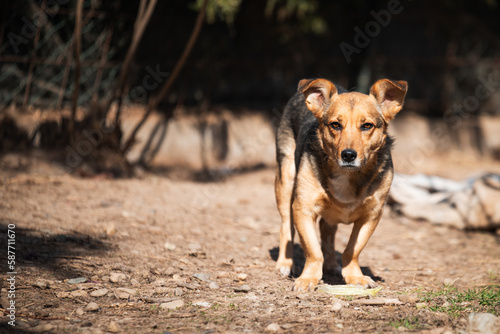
106	86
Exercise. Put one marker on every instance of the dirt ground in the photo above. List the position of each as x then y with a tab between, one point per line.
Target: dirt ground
162	254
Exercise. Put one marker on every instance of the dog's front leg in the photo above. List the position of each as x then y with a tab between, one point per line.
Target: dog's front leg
361	233
305	220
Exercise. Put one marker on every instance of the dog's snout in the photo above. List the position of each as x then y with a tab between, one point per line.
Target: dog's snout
349	155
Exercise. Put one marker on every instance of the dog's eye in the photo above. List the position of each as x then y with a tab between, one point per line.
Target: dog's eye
335	125
367	126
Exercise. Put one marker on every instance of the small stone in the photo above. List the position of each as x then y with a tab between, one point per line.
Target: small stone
110	229
169	246
188	286
408	299
124	293
170	271
242	276
92	307
223	274
42	313
202	303
42	328
113	327
194	247
99	292
172	305
339	326
63	294
253	297
252	223
120	267
77	280
86	286
202	276
162	290
117	277
213	285
159	282
79	312
41	284
342	302
243	288
176	277
178	292
79	293
336	307
273	328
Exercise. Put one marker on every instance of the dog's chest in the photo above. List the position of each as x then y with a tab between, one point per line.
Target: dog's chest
346	202
342	189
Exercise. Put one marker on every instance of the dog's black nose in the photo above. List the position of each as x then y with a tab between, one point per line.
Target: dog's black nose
348	155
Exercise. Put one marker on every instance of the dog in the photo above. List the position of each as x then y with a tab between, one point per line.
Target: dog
335	166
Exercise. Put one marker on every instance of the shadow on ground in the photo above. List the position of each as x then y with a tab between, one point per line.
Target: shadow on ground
53	252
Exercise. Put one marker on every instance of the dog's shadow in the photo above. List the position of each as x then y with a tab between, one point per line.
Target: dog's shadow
332	278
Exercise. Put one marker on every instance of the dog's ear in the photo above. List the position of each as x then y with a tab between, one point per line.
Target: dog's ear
390	96
318	93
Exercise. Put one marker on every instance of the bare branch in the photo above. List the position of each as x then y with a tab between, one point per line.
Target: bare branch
165	89
78	51
145	11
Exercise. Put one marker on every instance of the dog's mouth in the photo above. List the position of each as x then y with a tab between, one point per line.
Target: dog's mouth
349	165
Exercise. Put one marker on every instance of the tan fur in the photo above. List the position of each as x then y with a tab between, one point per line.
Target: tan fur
320	183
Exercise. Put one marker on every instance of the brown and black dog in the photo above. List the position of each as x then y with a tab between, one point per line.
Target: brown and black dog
335	165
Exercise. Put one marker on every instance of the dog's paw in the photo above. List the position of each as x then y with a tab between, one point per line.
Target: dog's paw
285	267
305	284
364	281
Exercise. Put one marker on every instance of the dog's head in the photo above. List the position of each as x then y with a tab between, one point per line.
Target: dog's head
353	126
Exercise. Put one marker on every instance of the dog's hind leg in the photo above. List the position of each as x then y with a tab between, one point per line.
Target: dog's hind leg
285	178
328	232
